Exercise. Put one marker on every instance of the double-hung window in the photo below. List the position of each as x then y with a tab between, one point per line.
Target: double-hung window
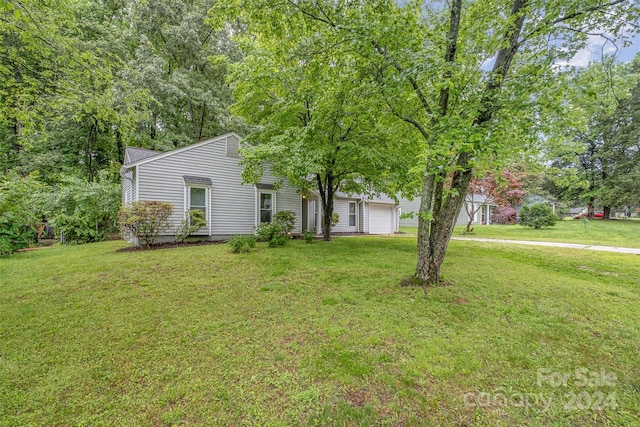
197	196
267	206
352	214
198	199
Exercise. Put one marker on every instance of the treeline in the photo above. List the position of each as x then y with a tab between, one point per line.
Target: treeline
341	98
81	80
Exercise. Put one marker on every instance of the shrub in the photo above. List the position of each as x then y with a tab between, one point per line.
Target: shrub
145	220
335	219
505	215
19	211
276	233
308	236
537	216
241	244
194	219
14	235
83	211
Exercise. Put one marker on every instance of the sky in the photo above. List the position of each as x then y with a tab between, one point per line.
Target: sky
597	45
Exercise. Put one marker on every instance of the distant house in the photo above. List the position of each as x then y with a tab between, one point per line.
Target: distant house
207	176
481	216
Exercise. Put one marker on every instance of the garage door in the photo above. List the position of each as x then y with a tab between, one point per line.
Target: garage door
381	219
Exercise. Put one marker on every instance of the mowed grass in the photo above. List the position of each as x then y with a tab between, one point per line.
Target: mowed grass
595	232
318	334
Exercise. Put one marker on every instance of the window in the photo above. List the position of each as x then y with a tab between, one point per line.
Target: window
266	207
352	214
198	199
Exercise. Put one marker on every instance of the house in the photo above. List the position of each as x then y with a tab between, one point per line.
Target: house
357	213
207	176
481	216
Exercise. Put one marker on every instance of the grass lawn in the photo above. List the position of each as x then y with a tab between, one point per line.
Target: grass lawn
596	232
319	334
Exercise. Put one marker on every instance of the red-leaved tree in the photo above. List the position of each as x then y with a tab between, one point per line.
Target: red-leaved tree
505	190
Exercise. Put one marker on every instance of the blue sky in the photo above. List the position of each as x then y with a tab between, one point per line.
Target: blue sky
597	45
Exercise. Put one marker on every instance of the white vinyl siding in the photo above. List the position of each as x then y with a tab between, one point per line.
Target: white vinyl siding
127	188
233	204
407	207
341	206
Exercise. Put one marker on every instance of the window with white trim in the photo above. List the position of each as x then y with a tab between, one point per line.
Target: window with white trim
266	206
352	214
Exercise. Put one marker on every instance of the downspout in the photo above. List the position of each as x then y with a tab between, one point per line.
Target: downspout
136	175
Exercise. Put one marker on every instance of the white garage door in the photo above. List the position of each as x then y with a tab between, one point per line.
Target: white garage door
381	219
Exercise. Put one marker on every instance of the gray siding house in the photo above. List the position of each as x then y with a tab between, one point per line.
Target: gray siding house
482	216
207	176
357	214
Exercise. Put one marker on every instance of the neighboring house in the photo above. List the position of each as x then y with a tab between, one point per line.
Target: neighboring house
207	176
532	199
357	214
482	216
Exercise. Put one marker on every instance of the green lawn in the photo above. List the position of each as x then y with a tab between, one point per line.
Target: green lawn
596	232
318	334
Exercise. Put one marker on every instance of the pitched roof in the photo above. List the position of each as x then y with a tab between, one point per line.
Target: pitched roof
133	154
159	155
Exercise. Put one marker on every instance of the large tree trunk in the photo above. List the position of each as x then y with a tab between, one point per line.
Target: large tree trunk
434	236
437	215
327	190
606	212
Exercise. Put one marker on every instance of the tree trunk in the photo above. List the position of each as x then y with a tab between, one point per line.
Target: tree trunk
327	192
434	236
434	233
606	212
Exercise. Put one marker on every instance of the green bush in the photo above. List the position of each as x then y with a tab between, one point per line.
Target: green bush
15	235
145	220
276	232
82	211
335	219
537	216
308	236
194	219
241	244
19	211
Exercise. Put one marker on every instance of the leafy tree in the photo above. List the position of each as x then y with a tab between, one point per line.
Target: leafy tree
19	215
506	190
182	62
316	123
622	152
464	76
82	211
585	169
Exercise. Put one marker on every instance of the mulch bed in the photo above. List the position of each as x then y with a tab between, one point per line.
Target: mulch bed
170	245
